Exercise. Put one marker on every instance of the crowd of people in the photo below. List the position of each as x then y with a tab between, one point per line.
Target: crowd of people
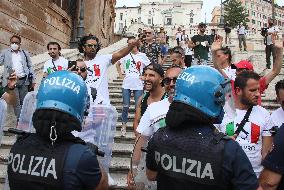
206	126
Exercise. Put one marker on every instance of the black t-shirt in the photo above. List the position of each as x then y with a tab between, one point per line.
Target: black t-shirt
2	91
237	172
201	51
274	161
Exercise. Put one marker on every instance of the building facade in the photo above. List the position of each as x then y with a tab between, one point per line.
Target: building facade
260	11
216	15
157	13
39	22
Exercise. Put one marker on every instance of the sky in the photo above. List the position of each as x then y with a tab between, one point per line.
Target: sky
208	5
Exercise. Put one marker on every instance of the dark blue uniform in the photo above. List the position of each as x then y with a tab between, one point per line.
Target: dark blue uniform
274	161
177	172
81	172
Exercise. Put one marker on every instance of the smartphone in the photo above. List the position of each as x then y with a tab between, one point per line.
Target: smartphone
10	71
71	63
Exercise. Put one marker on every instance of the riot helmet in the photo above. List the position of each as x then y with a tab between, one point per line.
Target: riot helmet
202	88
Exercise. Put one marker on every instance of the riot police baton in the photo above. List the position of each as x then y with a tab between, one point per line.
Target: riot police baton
93	147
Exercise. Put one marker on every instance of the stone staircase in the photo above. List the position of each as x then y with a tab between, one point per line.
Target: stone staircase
123	146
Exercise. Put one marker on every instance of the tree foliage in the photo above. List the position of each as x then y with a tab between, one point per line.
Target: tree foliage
235	13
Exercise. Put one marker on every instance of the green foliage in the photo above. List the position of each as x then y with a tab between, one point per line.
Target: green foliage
235	13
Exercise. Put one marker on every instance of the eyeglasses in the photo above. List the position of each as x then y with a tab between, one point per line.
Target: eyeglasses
148	32
82	69
95	46
167	81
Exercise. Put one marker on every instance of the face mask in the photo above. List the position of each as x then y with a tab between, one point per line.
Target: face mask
14	46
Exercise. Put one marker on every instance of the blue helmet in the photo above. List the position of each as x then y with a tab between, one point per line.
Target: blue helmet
203	88
63	91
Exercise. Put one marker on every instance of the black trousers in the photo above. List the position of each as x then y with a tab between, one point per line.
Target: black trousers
269	49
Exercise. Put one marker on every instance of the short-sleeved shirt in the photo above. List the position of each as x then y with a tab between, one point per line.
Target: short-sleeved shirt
236	170
153	118
200	50
250	138
97	77
133	65
2	91
277	117
58	65
85	174
269	37
274	161
153	51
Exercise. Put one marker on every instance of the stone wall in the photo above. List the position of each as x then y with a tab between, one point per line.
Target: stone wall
100	20
37	22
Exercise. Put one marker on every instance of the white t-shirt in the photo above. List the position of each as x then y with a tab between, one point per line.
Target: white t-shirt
60	64
231	73
258	126
17	64
269	37
134	70
188	51
153	118
277	117
97	77
178	36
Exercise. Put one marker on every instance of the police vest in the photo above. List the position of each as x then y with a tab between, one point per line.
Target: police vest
36	164
188	160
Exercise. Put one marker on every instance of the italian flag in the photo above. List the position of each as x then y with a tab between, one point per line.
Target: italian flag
254	131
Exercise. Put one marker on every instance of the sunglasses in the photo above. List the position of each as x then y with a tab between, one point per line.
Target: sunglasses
148	32
82	69
167	81
95	46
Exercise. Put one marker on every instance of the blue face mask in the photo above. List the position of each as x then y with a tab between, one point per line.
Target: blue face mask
219	119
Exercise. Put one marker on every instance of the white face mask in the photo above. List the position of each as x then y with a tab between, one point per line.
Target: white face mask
14	46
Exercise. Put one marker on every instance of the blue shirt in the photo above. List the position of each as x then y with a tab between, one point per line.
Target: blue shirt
81	170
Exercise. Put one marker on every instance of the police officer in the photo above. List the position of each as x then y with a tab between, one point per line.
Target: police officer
53	158
188	153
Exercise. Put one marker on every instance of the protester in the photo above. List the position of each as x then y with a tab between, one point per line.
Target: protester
178	36
66	162
189	152
17	59
7	93
269	42
244	65
97	65
162	40
151	48
251	124
133	65
178	56
200	44
241	30
57	62
272	175
153	77
277	116
154	116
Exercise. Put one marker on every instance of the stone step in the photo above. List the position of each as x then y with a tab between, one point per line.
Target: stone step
122	150
120	179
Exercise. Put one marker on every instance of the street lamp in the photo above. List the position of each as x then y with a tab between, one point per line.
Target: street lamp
153	9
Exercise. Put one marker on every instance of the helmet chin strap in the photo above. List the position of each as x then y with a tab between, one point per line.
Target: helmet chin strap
53	134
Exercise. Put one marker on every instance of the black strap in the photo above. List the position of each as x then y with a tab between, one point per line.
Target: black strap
26	59
54	68
133	61
243	122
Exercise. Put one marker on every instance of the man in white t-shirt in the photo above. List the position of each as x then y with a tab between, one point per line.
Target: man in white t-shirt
254	136
277	116
155	114
98	65
56	63
133	65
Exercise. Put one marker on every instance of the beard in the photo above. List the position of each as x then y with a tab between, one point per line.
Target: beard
247	102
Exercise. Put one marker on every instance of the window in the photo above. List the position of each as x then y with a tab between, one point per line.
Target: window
149	21
191	20
120	26
150	12
253	21
168	21
121	16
